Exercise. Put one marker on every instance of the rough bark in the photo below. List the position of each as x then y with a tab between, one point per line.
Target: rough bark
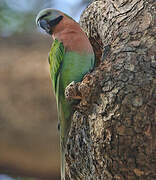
112	135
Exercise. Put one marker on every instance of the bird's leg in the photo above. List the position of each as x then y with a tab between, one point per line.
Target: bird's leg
71	91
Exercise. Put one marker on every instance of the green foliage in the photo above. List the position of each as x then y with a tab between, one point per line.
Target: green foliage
15	20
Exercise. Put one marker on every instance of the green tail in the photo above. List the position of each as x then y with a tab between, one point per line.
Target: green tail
62	162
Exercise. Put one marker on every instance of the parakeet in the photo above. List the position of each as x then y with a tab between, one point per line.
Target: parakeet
70	58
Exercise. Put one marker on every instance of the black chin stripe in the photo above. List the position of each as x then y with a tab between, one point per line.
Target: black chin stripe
55	21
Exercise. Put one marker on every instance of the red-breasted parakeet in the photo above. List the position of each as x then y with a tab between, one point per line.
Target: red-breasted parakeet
71	57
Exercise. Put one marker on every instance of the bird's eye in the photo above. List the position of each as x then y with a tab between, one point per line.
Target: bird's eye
48	13
45	15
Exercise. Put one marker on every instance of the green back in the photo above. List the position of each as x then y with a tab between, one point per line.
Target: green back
55	59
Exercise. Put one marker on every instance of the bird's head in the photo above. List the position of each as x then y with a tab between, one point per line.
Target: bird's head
47	19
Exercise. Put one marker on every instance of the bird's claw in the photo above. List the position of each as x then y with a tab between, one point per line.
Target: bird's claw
71	91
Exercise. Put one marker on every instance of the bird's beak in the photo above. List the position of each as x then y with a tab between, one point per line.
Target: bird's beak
44	25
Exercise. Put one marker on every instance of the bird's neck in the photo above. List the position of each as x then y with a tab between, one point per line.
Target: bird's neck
72	37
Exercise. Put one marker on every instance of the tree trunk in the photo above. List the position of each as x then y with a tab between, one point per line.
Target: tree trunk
112	135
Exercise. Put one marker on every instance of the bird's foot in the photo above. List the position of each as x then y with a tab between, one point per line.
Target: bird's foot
71	91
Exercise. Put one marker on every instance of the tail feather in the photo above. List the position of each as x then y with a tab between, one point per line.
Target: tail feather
62	162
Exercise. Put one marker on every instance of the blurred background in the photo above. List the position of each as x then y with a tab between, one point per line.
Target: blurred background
29	140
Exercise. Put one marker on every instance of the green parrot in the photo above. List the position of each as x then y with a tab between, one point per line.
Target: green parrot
71	57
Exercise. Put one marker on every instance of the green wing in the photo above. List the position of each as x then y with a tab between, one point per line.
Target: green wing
56	56
55	60
66	67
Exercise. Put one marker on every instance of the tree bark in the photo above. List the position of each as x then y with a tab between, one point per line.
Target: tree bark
112	135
